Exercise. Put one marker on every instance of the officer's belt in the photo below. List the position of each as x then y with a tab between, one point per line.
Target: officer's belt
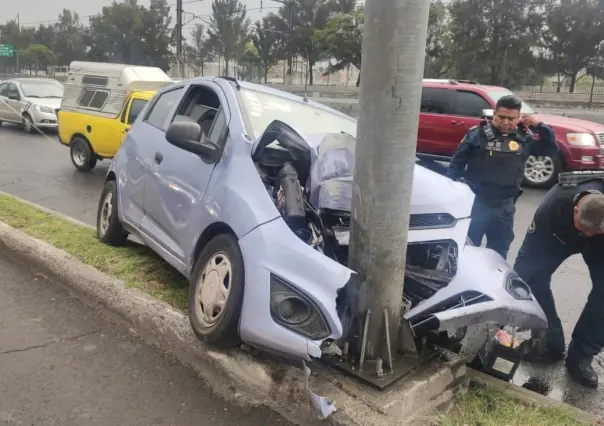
576	178
495	202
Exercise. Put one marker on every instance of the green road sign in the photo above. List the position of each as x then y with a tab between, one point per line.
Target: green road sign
6	50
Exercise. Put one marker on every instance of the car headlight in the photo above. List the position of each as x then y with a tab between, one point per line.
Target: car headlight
44	109
518	288
295	311
581	139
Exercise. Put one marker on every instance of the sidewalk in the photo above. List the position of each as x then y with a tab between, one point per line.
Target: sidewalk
64	363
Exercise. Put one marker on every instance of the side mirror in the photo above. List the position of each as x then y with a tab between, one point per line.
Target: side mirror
187	135
488	113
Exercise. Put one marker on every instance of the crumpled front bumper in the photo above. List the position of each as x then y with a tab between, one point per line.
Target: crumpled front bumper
477	294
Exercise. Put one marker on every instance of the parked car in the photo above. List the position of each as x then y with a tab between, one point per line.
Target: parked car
450	108
224	180
31	102
100	103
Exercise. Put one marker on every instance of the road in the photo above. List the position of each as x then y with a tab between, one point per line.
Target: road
38	169
64	363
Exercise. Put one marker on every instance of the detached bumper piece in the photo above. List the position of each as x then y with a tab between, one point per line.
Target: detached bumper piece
499	359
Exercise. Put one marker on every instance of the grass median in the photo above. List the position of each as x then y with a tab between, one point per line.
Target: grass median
486	406
140	268
134	264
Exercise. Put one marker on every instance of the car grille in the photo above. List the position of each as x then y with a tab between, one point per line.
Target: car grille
431	220
600	137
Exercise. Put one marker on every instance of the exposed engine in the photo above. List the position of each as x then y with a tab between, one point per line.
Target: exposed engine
306	200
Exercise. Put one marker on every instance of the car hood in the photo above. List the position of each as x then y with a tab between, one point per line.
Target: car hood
568	124
431	193
47	102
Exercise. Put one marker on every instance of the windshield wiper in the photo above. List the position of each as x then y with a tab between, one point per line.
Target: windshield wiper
32	96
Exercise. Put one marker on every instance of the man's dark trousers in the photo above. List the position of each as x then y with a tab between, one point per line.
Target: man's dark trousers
495	219
542	252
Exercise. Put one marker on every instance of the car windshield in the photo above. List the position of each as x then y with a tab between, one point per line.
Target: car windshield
262	108
42	89
496	94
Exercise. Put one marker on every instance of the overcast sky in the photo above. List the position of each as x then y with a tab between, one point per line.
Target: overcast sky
34	12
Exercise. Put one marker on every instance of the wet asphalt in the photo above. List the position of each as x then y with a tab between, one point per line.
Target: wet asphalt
38	169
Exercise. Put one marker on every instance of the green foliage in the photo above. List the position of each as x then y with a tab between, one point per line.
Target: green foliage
200	51
268	42
228	30
37	57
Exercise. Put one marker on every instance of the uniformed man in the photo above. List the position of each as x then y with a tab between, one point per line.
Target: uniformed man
570	220
491	160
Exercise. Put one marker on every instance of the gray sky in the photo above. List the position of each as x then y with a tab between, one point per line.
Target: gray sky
34	12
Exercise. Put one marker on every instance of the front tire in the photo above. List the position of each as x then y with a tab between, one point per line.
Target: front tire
216	292
82	156
542	171
28	125
109	230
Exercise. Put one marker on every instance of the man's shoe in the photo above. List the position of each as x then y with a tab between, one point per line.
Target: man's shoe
580	369
539	353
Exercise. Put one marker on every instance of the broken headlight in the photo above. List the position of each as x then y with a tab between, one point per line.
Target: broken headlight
294	311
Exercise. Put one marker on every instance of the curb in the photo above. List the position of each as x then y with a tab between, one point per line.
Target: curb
531	398
235	374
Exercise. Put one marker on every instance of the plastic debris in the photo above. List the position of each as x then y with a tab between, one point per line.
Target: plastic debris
506	339
323	406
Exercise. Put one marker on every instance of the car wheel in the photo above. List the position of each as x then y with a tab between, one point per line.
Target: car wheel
82	156
28	125
542	171
216	292
109	230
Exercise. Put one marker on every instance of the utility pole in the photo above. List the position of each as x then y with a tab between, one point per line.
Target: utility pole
392	70
179	37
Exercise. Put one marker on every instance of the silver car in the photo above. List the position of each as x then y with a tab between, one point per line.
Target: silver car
32	102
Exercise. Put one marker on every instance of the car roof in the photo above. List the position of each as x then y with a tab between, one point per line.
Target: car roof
452	84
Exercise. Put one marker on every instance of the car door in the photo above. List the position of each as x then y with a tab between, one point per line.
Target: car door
174	193
467	108
14	103
3	101
436	133
130	112
139	145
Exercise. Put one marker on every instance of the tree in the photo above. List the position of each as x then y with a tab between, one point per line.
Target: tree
200	51
342	40
69	43
573	35
156	35
37	57
438	60
46	35
228	30
267	41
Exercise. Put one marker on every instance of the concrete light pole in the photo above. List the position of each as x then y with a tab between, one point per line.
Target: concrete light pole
392	69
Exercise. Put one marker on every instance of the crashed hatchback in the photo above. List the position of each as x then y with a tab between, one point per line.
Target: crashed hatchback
246	191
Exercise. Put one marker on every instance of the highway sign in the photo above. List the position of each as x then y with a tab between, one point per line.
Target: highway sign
6	50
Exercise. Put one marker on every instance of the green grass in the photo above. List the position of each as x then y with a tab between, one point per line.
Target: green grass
488	407
136	265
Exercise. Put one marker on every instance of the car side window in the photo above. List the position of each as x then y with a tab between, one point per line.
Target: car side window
435	101
470	104
125	110
3	88
219	129
135	109
13	90
161	108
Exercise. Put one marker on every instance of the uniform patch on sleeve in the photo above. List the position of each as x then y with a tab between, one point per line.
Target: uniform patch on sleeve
532	227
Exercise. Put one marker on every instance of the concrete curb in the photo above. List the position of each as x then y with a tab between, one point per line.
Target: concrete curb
531	398
236	374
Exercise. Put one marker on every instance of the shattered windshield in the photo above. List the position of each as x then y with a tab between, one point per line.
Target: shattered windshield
262	108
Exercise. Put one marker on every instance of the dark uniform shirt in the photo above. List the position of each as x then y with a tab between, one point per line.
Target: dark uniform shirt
495	169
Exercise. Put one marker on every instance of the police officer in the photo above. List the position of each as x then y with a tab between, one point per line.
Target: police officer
491	160
570	220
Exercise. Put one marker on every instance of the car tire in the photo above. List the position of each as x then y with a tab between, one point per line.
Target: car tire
109	229
542	171
28	125
81	155
216	292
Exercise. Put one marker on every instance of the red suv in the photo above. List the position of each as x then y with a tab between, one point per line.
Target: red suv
450	108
